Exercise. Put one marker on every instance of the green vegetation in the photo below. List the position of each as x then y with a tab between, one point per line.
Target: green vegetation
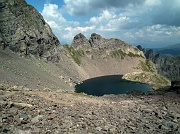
117	54
147	66
130	54
120	53
75	54
46	90
152	78
88	52
149	76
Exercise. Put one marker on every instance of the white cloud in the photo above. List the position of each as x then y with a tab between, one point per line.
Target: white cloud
104	17
53	24
166	35
80	29
57	22
111	21
71	32
53	16
83	7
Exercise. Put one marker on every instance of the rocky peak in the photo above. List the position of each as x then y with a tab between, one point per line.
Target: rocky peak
96	40
23	29
150	54
80	41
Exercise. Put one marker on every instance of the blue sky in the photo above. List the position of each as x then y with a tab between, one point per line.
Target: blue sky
150	23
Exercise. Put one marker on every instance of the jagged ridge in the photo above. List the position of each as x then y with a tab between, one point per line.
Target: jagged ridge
97	42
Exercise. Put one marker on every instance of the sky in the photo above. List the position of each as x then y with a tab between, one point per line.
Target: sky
149	23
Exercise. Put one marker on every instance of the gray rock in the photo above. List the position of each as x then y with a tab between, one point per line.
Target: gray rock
98	128
24	30
37	118
23	117
80	41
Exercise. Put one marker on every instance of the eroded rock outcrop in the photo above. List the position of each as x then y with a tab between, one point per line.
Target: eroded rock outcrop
167	66
97	42
23	29
80	41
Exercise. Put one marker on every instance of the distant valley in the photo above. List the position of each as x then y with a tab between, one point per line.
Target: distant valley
169	50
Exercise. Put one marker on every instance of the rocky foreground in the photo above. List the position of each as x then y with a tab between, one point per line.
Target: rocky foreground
49	111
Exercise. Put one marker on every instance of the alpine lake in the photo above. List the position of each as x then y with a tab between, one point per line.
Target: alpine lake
112	84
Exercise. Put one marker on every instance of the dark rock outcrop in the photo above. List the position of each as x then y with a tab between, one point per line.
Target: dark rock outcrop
23	29
80	41
96	40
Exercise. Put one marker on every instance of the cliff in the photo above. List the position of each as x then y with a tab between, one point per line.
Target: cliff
97	42
165	65
23	30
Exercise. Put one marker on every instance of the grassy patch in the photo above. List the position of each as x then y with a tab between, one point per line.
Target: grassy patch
147	66
78	94
130	54
75	54
151	78
117	54
120	53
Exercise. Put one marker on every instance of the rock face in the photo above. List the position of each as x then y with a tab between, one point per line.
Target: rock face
97	42
169	67
23	29
80	41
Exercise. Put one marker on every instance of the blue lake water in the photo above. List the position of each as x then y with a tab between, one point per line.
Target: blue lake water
113	84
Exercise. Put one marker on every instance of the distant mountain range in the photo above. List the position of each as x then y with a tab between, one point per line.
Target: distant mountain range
170	50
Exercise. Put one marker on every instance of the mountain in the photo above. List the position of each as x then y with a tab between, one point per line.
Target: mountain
38	77
23	30
98	56
168	66
169	50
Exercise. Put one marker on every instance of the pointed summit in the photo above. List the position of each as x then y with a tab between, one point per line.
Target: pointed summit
80	41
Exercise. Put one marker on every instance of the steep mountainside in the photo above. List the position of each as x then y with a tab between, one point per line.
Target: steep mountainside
167	66
30	73
23	30
99	56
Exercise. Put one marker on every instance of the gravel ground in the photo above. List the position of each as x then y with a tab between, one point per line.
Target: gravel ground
49	111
